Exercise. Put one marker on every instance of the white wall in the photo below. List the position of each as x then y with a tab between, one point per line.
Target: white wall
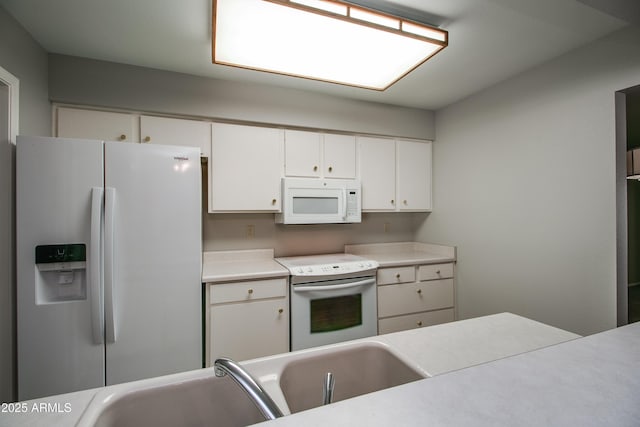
524	185
100	83
21	56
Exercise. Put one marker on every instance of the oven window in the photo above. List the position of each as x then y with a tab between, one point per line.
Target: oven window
336	313
315	205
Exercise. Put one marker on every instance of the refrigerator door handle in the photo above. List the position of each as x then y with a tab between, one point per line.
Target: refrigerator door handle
94	267
109	288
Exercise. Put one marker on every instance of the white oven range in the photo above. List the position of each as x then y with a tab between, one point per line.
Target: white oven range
333	298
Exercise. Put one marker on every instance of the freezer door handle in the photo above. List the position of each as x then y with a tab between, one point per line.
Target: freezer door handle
109	268
93	266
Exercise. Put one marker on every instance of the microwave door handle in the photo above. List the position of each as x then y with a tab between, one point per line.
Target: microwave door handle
344	204
321	288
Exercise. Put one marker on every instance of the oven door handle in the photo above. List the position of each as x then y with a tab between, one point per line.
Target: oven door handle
321	288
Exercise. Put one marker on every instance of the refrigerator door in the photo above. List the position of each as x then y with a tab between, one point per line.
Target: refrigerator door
152	260
58	224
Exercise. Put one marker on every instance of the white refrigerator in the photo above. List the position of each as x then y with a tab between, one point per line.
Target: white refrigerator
108	263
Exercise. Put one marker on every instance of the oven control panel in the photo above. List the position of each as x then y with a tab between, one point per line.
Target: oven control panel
333	269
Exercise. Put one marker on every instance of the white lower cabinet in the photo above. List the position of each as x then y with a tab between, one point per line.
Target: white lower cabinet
247	319
415	296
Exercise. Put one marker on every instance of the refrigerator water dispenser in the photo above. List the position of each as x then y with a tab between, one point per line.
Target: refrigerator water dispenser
61	273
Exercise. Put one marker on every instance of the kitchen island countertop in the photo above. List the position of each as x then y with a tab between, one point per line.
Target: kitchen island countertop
591	381
436	350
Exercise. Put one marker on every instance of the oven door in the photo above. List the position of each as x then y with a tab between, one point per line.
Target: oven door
333	311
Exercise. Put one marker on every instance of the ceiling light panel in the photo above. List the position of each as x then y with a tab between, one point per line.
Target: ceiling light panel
322	40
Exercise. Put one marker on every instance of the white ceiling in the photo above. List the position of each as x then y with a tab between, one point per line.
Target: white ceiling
489	40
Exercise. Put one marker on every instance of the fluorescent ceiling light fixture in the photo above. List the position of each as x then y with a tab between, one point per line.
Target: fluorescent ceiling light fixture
323	40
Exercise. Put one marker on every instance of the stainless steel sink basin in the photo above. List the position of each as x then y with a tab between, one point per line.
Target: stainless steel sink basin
199	401
357	370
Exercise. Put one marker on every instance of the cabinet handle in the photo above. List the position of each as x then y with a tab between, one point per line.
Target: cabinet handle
147	139
404	202
398	276
438	272
393	201
330	169
250	291
419	323
280	311
273	201
123	137
315	169
419	291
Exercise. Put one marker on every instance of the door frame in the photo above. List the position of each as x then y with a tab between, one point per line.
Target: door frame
8	366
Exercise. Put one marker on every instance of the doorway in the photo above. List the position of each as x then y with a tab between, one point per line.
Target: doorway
628	207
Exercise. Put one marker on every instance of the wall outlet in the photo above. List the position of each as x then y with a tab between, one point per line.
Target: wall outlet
251	231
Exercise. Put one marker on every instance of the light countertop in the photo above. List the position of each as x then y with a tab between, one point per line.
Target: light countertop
403	253
591	381
226	266
435	350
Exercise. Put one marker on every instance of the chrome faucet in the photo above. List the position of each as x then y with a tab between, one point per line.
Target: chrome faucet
265	404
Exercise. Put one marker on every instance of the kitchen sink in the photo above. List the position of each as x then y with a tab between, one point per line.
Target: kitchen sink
357	370
197	401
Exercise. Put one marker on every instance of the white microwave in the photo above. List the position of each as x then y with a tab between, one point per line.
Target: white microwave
320	201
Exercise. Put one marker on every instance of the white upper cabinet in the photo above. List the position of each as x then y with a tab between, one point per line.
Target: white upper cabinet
339	156
245	168
171	131
377	173
102	125
395	174
314	155
414	175
302	153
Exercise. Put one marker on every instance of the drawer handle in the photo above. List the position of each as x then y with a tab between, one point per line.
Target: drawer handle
438	272
330	169
250	291
419	291
280	311
419	323
398	276
147	139
315	169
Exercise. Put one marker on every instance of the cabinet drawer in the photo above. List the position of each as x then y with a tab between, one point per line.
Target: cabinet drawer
394	300
247	291
412	321
387	276
435	271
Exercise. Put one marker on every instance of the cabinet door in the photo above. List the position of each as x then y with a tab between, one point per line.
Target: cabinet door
414	175
245	168
248	330
377	173
170	131
302	153
102	125
339	156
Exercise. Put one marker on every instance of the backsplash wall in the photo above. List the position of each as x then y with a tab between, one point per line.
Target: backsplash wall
230	232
